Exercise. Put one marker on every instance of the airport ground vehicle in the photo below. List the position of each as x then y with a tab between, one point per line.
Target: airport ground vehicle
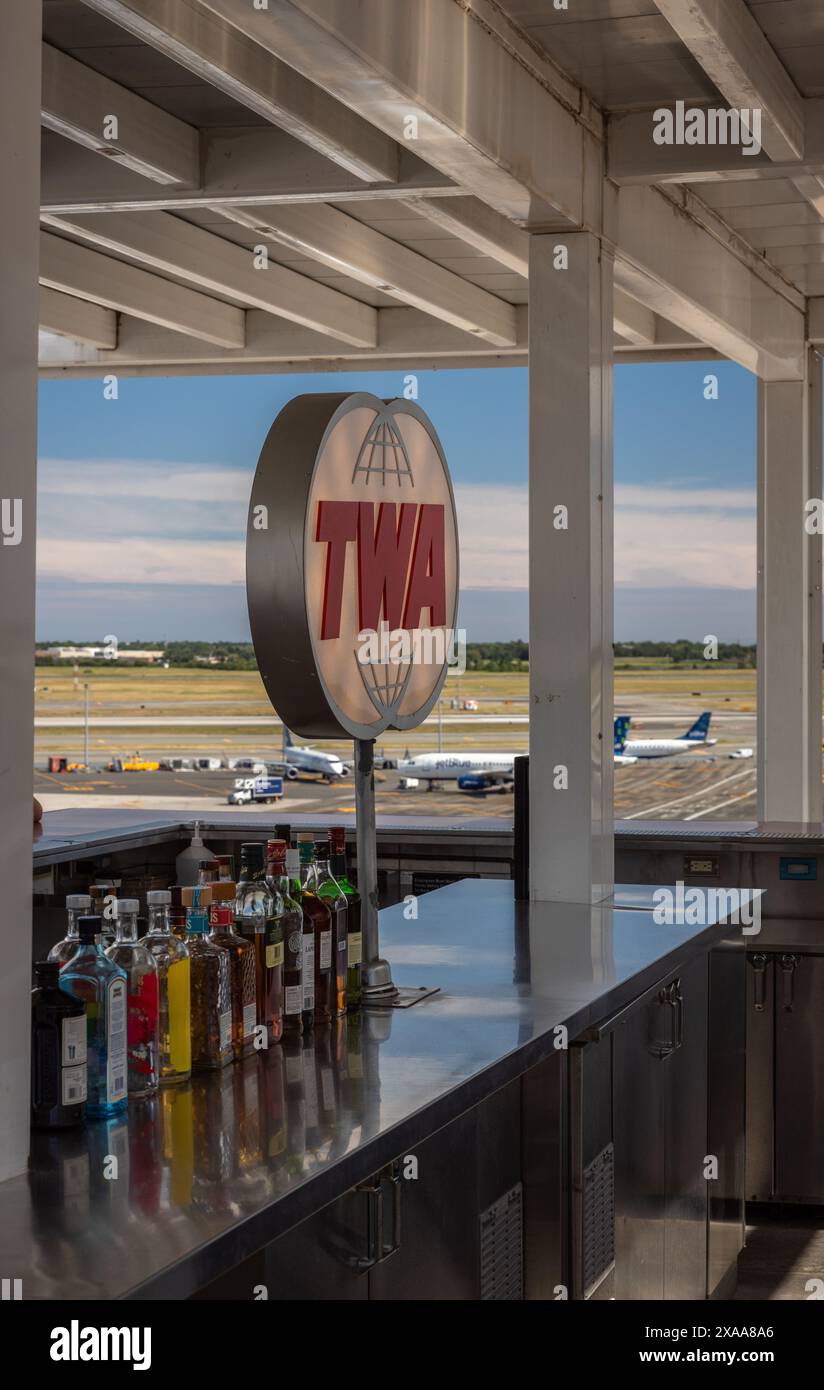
255	789
133	765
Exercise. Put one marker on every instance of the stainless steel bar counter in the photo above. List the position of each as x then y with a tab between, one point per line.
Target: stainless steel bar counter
200	1179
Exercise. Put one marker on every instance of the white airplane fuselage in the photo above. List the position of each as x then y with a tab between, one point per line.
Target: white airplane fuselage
662	747
447	767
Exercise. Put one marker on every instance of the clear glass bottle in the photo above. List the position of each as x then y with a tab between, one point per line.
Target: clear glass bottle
211	1007
330	891
101	985
242	966
77	905
291	921
143	1033
58	1051
177	913
321	919
296	894
257	920
171	957
354	940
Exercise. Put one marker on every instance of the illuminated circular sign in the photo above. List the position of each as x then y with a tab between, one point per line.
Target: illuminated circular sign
352	565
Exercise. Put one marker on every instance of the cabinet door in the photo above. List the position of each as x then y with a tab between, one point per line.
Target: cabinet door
799	1078
685	1072
639	1126
323	1258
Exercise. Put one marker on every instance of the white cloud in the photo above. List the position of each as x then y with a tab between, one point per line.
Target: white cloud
134	478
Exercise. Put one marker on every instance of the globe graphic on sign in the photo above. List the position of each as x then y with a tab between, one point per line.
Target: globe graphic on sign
383	463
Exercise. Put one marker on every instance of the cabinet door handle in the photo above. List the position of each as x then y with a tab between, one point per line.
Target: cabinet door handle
759	987
373	1187
392	1175
787	965
678	1015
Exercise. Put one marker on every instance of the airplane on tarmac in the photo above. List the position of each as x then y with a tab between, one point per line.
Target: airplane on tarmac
297	759
473	772
629	750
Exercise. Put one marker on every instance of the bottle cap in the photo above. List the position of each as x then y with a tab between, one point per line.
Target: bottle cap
88	928
337	838
220	916
79	902
276	849
252	854
47	970
292	859
198	896
306	849
127	905
306	835
159	897
321	849
224	891
284	832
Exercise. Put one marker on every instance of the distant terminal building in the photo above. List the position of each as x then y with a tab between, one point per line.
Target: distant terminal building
107	653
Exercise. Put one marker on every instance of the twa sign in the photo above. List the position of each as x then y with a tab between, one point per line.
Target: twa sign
352	565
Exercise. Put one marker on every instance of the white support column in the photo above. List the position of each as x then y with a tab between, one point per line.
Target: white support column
570	570
789	599
20	25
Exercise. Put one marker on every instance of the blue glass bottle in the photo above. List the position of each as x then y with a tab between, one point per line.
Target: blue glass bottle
90	975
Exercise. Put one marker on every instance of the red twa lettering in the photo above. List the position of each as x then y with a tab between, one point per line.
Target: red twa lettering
384	550
383	562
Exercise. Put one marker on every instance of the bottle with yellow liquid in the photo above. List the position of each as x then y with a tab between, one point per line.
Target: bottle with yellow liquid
173	969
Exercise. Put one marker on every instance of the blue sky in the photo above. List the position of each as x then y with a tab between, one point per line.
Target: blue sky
142	500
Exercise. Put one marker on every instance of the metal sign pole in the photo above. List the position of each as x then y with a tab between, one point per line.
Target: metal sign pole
377	973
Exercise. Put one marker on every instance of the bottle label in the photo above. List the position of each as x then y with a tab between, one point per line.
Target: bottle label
225	1023
73	1050
116	1077
249	1019
325	950
74	1082
293	999
355	940
274	954
180	1033
308	972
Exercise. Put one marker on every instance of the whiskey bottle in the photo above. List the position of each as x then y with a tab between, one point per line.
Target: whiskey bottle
177	913
337	863
291	922
58	1052
256	920
171	956
321	918
333	895
101	985
242	969
211	1000
143	1035
308	962
77	905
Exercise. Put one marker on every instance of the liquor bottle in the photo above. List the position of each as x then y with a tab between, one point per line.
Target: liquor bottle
171	956
208	871
242	968
257	920
333	895
143	1031
77	905
321	919
308	961
337	863
292	928
58	1052
177	912
225	872
101	985
211	1006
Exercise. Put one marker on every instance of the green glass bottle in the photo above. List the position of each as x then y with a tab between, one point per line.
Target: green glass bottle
333	895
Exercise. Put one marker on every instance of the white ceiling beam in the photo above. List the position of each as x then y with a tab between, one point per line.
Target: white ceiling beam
434	76
728	43
89	275
245	165
165	243
354	249
815	328
634	321
480	226
79	319
668	260
634	157
79	103
211	49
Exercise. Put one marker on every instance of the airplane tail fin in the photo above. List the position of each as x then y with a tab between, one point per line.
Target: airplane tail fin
288	741
619	733
700	729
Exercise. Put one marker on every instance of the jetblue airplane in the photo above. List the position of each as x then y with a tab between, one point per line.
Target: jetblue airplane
619	742
473	772
629	750
305	759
